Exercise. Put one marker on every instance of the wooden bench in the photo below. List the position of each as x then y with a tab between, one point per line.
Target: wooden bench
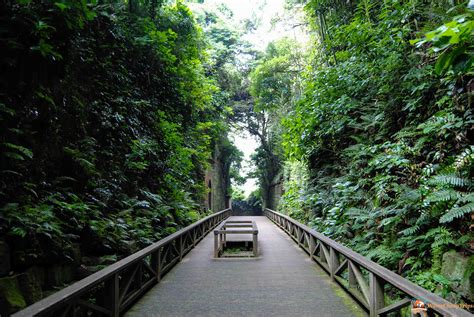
234	227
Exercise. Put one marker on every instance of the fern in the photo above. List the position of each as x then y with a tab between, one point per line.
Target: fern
19	152
457	212
410	231
469	198
410	195
443	196
424	218
385	255
450	179
441	236
465	158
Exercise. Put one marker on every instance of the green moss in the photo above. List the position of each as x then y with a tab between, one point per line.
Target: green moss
347	300
10	291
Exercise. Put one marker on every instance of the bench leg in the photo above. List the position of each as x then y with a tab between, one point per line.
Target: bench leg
255	245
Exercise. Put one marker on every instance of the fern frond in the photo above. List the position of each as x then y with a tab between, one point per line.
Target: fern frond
410	231
385	255
450	179
438	232
388	221
465	158
469	198
410	195
443	240
463	240
443	195
423	219
457	212
358	212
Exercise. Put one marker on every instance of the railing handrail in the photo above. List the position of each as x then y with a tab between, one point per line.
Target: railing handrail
89	282
442	306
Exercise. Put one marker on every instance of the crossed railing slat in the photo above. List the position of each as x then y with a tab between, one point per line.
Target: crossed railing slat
112	290
368	282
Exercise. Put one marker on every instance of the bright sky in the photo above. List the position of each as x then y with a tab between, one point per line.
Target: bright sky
247	144
265	11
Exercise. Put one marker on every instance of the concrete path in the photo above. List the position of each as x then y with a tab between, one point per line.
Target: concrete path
282	281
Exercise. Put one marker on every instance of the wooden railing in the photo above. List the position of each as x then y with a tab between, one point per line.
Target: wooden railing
369	283
112	290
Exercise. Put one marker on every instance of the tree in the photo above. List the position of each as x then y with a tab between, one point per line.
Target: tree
275	86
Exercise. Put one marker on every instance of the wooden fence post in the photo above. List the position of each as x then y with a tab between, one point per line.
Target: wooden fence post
156	264
113	300
333	262
376	294
181	247
351	275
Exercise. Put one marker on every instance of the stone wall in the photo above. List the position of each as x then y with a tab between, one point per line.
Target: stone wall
39	273
38	276
275	191
459	269
216	180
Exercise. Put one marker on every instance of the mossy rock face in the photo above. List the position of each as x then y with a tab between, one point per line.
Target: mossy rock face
30	285
76	253
11	298
39	273
58	275
459	269
29	251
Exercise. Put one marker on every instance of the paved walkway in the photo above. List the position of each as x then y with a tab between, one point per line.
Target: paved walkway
282	281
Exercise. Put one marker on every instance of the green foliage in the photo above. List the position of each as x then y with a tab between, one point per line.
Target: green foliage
17	152
452	40
275	84
458	212
108	119
238	194
274	81
383	132
452	193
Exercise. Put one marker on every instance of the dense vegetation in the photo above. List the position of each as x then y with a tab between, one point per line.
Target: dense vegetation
112	111
274	87
378	150
109	114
